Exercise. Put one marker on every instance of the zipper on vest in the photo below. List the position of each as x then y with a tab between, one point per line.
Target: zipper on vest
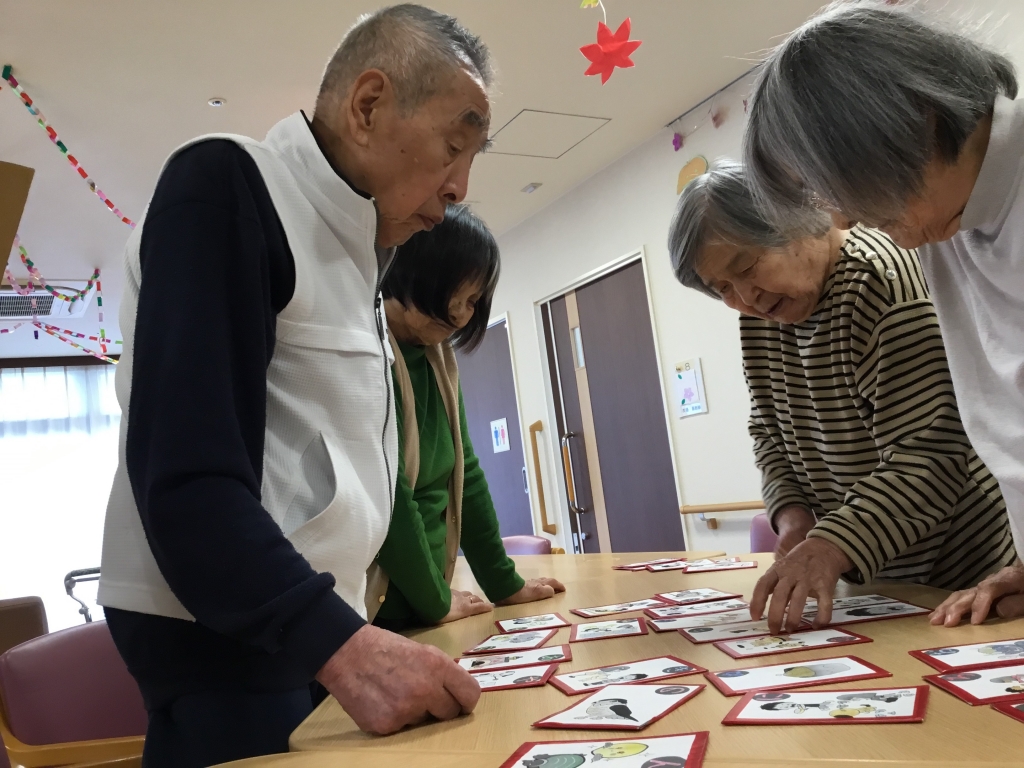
382	338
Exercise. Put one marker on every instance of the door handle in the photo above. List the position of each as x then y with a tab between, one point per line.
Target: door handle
570	475
547	527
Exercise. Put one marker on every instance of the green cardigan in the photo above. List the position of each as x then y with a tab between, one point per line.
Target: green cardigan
413	554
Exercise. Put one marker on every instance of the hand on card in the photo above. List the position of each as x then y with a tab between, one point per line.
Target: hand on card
534	589
812	568
1003	590
465	604
386	682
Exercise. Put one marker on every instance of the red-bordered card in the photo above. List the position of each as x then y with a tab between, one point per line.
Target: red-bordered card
643	565
871	706
516	641
802	674
597	611
639	671
691	596
529	623
673	565
556	654
772	645
895	609
963	658
696	609
1013	709
606	630
505	679
983	686
685	750
700	635
722	567
622	707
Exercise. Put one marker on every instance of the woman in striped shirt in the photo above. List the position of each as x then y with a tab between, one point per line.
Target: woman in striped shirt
866	470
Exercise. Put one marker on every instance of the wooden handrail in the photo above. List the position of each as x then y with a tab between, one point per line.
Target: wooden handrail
733	506
547	527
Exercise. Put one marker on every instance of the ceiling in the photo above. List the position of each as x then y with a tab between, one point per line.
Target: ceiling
124	82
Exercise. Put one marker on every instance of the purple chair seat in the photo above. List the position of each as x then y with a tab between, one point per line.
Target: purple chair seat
762	537
526	545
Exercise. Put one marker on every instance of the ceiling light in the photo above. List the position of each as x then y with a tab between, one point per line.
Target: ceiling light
531	188
217	102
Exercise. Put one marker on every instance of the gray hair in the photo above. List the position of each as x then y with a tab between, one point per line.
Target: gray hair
849	110
718	207
416	47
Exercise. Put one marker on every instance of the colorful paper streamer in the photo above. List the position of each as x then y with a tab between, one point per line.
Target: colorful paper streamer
55	332
35	274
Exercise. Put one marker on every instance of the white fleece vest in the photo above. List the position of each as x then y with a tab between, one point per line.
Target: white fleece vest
330	453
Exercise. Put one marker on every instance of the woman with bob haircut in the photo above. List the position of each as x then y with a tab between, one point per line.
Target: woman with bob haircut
437	298
872	112
866	470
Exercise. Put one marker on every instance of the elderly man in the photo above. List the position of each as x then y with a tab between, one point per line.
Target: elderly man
259	450
872	113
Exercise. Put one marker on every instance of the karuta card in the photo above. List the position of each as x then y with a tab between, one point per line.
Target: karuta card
622	707
524	677
725	631
733	682
602	630
1014	710
994	653
714	560
643	565
680	750
517	641
644	670
524	623
983	686
768	645
721	567
608	610
857	601
892	610
831	707
688	596
677	565
552	655
696	609
713	619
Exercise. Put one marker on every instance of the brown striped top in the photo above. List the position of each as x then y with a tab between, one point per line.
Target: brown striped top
853	416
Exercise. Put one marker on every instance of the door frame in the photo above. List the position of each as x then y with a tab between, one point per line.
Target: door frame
639	254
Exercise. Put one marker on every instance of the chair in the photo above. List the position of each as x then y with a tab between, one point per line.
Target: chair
762	537
21	619
526	545
68	698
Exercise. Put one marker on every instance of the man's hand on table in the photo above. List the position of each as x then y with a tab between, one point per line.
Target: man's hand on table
386	682
465	604
811	569
534	589
793	523
1004	590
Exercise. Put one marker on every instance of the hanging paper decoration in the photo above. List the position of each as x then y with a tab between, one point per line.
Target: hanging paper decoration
45	125
610	51
696	167
55	332
590	3
38	277
12	329
718	117
677	141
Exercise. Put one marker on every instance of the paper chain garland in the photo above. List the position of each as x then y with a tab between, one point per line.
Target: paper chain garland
34	274
54	331
45	125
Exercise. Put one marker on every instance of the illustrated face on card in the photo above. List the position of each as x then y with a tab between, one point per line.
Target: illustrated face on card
889	610
517	641
524	677
798	641
696	609
735	681
723	632
622	674
687	596
543	621
975	656
676	751
984	686
607	610
520	659
628	707
599	630
895	705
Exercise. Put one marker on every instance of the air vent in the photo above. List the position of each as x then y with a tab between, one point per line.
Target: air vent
13	306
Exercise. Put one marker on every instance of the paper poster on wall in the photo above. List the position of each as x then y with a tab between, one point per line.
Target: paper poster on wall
688	387
499	435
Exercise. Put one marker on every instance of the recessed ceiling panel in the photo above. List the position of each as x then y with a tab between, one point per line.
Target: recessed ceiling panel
533	133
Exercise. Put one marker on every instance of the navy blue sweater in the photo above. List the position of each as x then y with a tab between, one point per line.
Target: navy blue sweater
216	270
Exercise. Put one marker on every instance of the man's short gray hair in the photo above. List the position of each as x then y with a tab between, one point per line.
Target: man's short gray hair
849	110
416	47
718	207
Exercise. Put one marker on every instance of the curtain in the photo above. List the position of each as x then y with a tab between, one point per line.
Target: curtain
40	401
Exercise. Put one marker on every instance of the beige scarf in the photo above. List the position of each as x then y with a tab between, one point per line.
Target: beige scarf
446	370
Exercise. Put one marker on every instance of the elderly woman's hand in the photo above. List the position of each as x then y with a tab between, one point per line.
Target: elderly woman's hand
812	568
534	589
1003	589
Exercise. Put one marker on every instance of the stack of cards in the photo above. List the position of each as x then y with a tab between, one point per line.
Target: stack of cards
695	609
675	751
608	610
523	677
707	620
733	682
688	596
645	670
722	632
602	630
767	645
989	686
672	565
643	565
525	623
953	658
831	707
554	655
726	564
518	641
622	707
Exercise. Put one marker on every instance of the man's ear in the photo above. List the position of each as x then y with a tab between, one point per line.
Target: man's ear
368	97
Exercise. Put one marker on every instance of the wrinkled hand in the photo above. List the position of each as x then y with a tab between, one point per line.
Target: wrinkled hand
465	604
534	589
812	569
1003	589
386	682
793	522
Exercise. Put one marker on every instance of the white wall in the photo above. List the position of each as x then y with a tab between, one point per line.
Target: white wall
627	206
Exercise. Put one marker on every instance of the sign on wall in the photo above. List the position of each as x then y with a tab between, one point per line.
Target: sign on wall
499	435
689	388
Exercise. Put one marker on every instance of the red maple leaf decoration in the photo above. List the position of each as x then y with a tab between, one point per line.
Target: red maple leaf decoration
610	50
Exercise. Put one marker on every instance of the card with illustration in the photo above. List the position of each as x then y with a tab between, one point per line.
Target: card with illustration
890	610
734	682
602	630
524	623
643	565
644	670
524	677
831	707
675	565
768	645
553	655
714	561
857	601
517	641
696	609
1013	709
688	596
989	686
995	653
622	707
608	610
721	566
712	619
725	631
679	750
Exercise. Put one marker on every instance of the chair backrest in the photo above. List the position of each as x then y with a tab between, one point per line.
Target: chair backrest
762	537
21	619
527	545
70	685
4	761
